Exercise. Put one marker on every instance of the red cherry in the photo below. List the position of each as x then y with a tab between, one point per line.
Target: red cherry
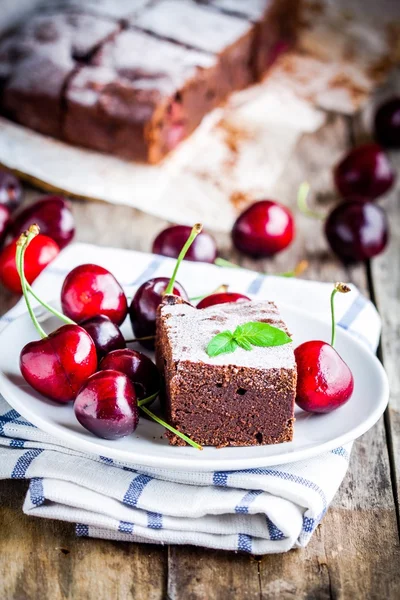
90	290
324	381
144	305
59	364
52	214
263	229
105	334
40	252
106	405
357	231
10	190
138	367
171	240
221	298
387	123
365	171
4	222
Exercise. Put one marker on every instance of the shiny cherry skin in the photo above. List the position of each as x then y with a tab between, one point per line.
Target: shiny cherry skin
59	364
106	405
4	222
90	290
10	190
171	241
105	334
138	367
52	214
387	123
324	381
364	172
263	229
144	305
357	231
221	298
41	251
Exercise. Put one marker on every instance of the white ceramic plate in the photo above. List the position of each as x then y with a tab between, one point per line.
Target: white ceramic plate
313	435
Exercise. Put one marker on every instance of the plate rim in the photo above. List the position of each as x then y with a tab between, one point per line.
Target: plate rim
189	462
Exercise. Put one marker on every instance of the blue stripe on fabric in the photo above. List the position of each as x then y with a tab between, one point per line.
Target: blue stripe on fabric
24	462
108	461
154	520
82	530
135	489
341	452
148	272
352	312
36	491
243	506
244	542
17	443
125	527
255	285
220	478
275	533
7	319
8	417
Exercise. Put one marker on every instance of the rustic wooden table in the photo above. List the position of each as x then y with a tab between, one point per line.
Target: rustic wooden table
353	554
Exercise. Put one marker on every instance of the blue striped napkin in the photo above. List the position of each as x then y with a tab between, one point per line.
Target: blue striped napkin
260	510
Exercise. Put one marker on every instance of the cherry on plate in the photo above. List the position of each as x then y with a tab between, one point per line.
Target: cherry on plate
357	231
263	229
41	251
106	405
90	290
387	123
138	367
53	216
171	240
10	190
105	334
364	172
221	298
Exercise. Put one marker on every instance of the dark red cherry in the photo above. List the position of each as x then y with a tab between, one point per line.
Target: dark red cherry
263	229
221	298
357	231
324	381
105	334
90	290
41	251
364	172
144	305
387	123
106	405
4	222
138	367
10	190
52	214
59	364
170	242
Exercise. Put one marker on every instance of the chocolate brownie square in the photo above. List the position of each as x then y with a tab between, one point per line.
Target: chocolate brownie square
140	97
36	61
244	398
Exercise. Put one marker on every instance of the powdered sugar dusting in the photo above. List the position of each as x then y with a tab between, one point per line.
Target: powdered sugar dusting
190	330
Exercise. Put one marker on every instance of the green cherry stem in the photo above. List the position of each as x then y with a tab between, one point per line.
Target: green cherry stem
141	339
51	309
297	271
222	289
221	262
22	244
175	431
344	289
148	399
302	197
193	234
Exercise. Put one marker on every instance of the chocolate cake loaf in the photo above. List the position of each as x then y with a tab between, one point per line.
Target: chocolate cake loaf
135	77
244	398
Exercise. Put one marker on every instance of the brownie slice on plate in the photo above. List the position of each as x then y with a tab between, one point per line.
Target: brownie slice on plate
36	61
245	398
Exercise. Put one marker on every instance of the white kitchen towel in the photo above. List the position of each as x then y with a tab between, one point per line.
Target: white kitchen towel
260	510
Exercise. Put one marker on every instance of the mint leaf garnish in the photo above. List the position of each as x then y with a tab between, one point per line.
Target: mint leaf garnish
222	343
253	333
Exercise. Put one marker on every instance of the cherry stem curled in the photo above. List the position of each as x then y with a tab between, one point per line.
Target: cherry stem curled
302	197
169	427
343	289
193	234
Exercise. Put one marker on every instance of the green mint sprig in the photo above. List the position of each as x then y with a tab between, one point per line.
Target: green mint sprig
253	333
